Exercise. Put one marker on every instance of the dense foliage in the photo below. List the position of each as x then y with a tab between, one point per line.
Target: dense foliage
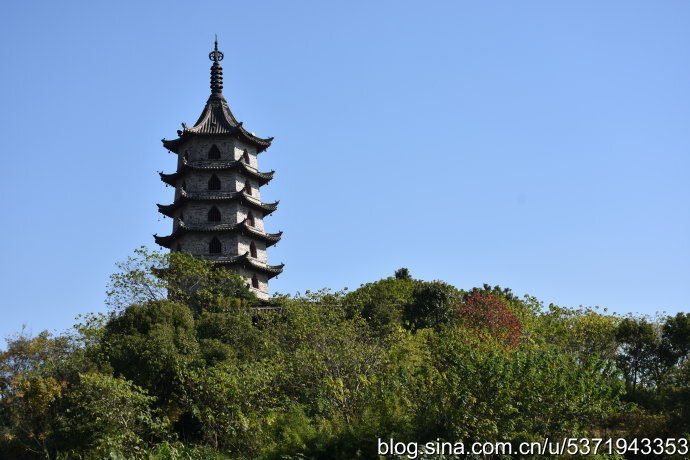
186	367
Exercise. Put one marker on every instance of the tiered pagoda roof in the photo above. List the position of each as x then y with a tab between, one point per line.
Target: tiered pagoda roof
247	262
217	165
241	228
240	197
217	119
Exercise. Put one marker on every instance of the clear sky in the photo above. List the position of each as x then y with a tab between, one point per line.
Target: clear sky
540	145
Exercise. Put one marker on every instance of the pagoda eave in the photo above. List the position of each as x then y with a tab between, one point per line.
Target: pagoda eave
261	177
269	238
170	179
266	208
238	132
167	209
246	262
241	228
164	241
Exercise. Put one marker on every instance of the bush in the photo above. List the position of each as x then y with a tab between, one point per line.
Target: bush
106	413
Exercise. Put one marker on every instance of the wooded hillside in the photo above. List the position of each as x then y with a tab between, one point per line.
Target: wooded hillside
184	366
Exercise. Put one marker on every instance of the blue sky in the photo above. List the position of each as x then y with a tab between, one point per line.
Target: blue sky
539	145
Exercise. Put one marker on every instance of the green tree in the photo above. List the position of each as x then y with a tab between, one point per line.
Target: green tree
106	414
231	403
433	304
581	331
153	344
34	374
230	332
382	302
153	275
327	357
641	357
676	333
478	391
403	274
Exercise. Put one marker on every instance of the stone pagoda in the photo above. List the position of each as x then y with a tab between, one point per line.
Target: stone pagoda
218	213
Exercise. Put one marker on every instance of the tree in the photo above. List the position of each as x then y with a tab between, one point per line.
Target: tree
433	304
27	410
486	392
230	402
327	356
230	333
581	331
505	294
676	333
382	302
488	316
152	275
33	377
107	414
641	356
403	274
153	345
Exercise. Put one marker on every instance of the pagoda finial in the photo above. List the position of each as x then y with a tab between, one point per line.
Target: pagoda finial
216	70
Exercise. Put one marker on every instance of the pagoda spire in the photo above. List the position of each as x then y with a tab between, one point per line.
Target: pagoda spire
216	71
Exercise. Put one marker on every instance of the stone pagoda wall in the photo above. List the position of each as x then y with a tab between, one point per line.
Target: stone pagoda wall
195	213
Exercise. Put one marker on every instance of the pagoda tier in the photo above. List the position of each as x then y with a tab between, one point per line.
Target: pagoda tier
216	165
242	228
247	262
240	197
217	119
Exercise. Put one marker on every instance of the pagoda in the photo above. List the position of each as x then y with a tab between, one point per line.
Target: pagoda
217	212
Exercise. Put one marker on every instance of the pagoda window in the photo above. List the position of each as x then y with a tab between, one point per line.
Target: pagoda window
214	247
186	155
247	187
252	250
214	183
250	219
214	215
214	153
255	282
181	217
184	186
178	248
245	157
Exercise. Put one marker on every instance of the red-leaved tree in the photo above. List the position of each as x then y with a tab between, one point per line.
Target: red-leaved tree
489	317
